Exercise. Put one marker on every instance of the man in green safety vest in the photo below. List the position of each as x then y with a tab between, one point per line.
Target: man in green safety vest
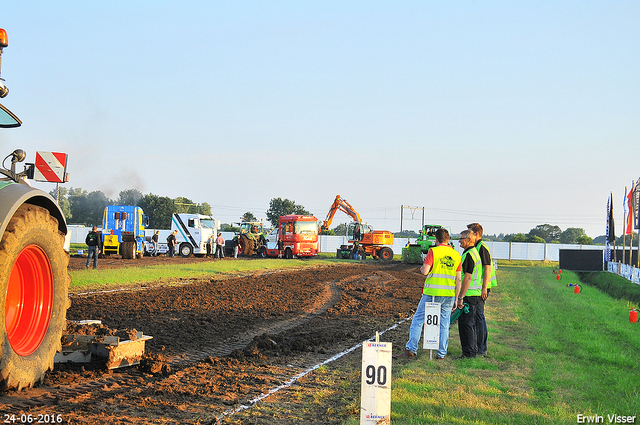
488	282
470	294
442	268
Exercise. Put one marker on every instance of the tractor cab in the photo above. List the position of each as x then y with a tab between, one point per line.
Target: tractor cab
356	230
252	227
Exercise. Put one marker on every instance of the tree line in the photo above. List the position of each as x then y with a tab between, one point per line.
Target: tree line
82	207
87	208
547	233
542	233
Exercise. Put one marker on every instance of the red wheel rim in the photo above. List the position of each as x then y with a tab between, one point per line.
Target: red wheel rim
29	300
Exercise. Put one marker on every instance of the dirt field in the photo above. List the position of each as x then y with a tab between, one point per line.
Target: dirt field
219	344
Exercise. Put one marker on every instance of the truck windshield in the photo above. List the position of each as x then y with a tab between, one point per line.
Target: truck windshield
306	227
207	223
7	119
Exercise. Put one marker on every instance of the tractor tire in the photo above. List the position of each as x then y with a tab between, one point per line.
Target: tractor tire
128	250
248	245
386	254
34	283
262	252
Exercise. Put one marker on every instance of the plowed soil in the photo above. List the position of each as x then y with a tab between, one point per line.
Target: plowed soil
220	343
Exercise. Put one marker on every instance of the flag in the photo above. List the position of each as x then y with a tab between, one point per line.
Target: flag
607	250
611	231
624	201
636	206
629	205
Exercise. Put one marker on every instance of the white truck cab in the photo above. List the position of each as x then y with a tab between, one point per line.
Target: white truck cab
194	232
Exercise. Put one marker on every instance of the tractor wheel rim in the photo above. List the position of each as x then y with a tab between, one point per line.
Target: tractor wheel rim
29	300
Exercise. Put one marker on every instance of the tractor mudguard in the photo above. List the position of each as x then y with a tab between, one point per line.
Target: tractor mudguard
15	194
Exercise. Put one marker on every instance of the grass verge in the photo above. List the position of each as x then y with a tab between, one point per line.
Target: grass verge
126	276
616	286
553	355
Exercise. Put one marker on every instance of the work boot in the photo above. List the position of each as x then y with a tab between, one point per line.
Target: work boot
406	355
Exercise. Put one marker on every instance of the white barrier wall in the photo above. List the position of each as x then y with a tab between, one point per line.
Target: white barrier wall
499	250
77	233
628	272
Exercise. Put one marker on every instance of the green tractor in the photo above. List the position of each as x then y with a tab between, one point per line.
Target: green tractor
414	253
251	240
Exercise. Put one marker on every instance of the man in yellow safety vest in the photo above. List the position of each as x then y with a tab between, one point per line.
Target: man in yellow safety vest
442	268
470	294
488	282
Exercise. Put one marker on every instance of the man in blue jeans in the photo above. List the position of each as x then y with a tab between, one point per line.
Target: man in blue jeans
443	272
93	242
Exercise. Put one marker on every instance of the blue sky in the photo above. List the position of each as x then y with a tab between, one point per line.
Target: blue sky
512	114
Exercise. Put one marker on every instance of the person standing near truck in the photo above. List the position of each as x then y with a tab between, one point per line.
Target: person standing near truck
220	246
211	246
171	243
234	244
154	239
93	242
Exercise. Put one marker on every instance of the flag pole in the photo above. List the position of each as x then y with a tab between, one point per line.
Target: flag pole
636	217
609	225
613	232
624	228
630	220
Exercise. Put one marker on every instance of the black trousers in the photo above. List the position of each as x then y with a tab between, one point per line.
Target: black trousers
470	326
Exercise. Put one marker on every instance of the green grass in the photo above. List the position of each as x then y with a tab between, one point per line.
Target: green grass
105	278
118	277
616	286
74	247
553	354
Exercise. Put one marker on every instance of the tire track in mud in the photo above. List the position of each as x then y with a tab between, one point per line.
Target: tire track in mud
330	296
118	383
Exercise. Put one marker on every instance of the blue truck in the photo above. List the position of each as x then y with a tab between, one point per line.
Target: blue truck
123	231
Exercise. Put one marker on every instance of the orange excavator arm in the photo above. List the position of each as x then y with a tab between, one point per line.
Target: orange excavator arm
344	206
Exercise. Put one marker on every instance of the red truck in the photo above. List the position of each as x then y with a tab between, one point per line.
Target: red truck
296	235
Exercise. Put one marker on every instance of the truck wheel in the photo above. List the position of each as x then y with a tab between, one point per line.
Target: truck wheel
386	253
288	254
127	250
35	283
186	250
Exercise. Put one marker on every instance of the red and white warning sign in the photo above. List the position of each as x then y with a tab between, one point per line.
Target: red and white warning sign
50	167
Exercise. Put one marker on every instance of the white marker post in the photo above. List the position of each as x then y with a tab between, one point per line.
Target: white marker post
375	405
431	327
